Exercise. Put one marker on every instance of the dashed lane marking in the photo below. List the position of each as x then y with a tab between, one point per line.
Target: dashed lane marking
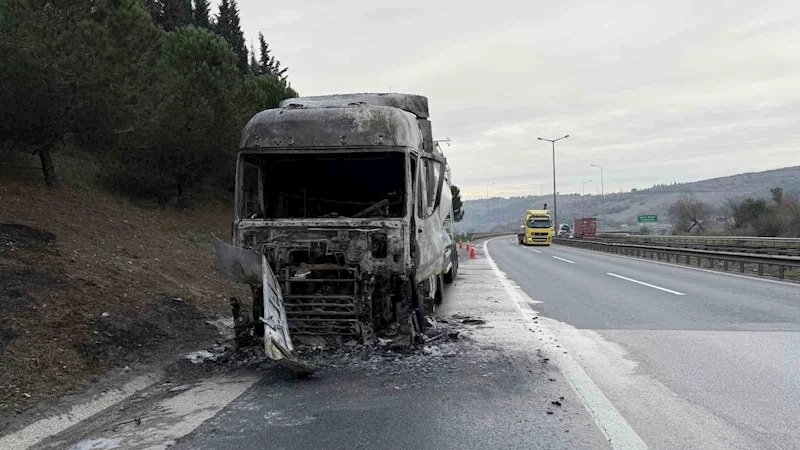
645	284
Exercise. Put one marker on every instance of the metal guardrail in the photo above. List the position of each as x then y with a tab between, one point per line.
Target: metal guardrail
744	244
773	241
717	260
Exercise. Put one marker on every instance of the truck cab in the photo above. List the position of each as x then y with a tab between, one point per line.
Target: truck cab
538	227
348	200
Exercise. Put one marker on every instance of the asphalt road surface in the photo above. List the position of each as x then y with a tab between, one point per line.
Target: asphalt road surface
495	390
690	358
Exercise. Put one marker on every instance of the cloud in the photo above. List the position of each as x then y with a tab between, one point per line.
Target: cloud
653	91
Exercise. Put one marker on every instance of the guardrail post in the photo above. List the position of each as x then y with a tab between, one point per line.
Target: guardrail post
711	263
699	261
780	271
741	266
725	265
760	269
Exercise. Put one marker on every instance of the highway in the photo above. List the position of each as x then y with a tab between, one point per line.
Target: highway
690	358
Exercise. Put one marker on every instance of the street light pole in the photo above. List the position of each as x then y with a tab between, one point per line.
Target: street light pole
555	193
602	199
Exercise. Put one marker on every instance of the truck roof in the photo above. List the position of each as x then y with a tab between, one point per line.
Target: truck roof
415	104
538	212
356	125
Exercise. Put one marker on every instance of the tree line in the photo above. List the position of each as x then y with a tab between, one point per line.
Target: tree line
157	89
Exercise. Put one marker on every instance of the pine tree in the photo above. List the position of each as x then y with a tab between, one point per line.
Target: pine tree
277	71
253	63
176	14
268	64
201	14
229	28
265	61
91	93
188	12
156	8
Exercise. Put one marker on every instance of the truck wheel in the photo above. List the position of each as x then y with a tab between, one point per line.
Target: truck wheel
453	272
439	296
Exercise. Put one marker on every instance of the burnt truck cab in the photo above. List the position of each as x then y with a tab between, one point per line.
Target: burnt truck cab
348	199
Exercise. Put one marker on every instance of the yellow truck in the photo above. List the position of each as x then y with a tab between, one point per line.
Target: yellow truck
537	228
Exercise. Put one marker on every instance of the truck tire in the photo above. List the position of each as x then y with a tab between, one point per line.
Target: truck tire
451	274
439	296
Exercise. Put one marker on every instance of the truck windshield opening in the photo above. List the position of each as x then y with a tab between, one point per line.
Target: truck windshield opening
538	223
353	185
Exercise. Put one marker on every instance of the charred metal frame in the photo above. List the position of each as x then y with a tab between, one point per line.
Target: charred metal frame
360	290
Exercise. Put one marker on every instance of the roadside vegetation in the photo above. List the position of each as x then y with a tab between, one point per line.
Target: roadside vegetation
146	98
778	216
120	127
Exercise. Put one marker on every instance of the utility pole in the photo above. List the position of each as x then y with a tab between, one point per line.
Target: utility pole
555	192
602	199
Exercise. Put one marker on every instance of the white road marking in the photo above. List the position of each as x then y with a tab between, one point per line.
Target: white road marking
565	260
645	284
173	417
537	251
32	434
616	429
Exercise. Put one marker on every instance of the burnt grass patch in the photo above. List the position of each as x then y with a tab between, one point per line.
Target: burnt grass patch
7	334
15	236
17	285
130	337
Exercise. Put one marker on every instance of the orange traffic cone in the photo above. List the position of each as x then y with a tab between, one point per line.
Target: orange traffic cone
472	253
459	244
467	246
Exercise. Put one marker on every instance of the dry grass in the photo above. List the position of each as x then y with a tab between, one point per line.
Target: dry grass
108	256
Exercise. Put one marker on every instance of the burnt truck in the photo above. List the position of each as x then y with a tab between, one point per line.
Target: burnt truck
343	206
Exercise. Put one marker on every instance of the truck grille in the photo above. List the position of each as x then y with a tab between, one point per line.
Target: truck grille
324	302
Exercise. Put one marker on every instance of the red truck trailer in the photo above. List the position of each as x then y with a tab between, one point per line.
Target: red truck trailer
586	227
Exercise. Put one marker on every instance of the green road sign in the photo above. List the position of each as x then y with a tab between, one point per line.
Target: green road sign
647	218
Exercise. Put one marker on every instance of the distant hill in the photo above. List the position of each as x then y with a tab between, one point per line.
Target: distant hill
622	208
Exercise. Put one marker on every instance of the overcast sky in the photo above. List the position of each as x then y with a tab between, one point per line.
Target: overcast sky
652	91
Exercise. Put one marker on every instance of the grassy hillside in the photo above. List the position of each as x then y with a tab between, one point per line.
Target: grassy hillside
623	208
91	281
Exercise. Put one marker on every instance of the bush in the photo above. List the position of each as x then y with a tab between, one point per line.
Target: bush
775	218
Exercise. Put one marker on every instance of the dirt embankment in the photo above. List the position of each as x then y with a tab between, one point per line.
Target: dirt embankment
89	281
